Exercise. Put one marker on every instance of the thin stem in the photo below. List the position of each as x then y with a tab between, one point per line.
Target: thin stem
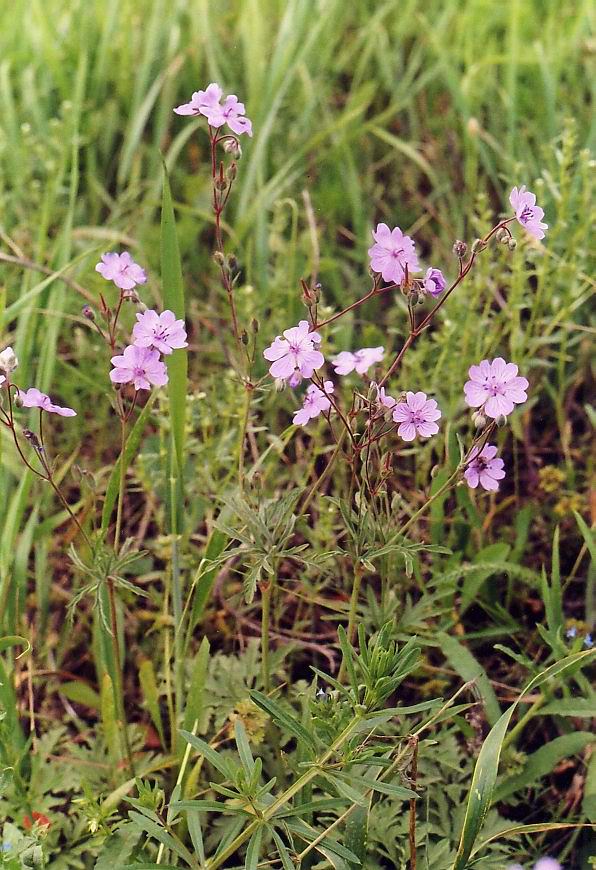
242	434
266	591
118	661
121	484
325	475
351	632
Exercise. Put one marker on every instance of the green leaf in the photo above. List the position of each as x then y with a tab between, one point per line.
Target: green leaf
194	704
209	753
283	719
80	693
158	833
253	850
130	450
543	761
243	745
108	719
379	785
356	830
117	848
348	657
193	820
580	707
14	640
151	695
173	296
286	861
589	801
462	660
587	533
485	771
206	575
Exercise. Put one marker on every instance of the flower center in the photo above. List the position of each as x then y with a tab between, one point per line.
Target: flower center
138	372
294	348
396	253
526	215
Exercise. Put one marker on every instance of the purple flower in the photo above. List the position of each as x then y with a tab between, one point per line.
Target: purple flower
360	361
315	402
528	214
296	351
416	416
161	331
392	253
208	103
434	282
547	864
495	386
588	642
202	102
384	399
485	468
231	113
140	366
33	398
571	633
122	270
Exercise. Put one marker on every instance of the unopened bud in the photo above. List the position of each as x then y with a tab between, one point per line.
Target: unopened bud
221	183
460	249
232	263
478	419
479	245
501	421
219	258
420	298
32	439
512	244
131	296
88	312
232	171
8	360
434	471
502	236
232	146
244	337
254	325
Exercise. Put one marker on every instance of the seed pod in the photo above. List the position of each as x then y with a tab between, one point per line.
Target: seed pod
512	244
460	249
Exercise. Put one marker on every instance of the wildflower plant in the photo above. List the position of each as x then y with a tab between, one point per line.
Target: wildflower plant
347	737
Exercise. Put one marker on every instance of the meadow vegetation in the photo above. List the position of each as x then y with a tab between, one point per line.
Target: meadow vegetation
227	640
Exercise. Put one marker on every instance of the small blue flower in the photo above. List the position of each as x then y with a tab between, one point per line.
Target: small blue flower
571	633
5	847
588	642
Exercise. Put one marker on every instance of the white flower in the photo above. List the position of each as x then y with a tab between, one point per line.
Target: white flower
8	360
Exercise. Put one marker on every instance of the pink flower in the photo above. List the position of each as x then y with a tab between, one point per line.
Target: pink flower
33	398
392	253
384	399
434	282
485	468
140	366
2	379
202	102
315	402
231	113
161	331
416	416
122	270
528	214
495	386
296	351
208	103
547	864
360	361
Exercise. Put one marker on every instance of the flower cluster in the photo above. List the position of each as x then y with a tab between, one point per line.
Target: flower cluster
360	361
208	103
140	363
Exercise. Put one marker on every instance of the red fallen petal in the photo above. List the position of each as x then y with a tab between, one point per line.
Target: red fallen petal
37	817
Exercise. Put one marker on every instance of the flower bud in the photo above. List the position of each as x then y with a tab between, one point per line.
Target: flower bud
221	184
131	296
244	337
254	325
232	172
501	421
88	312
502	236
219	258
32	439
8	360
232	263
479	245
479	420
232	146
420	298
460	249
512	244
